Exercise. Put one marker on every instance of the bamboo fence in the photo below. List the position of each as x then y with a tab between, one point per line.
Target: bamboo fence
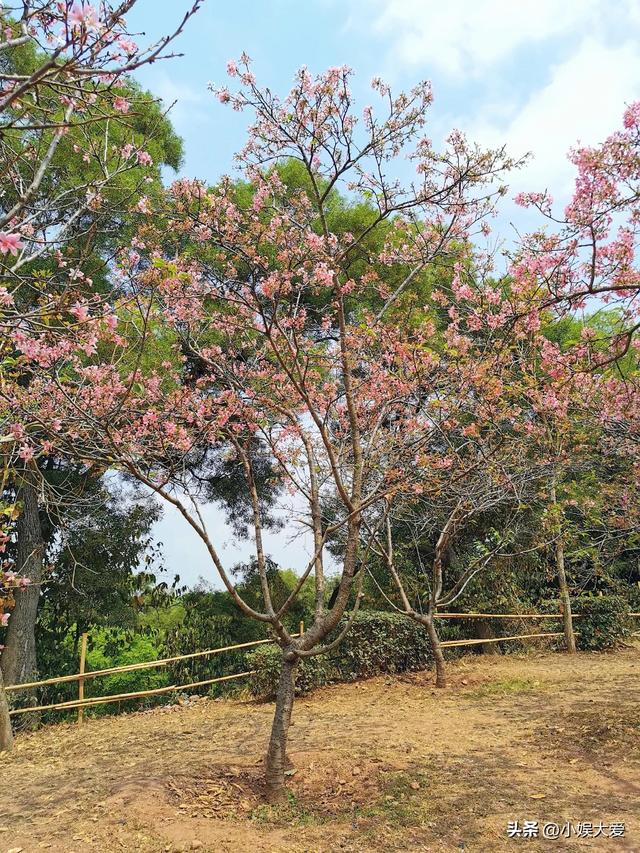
81	702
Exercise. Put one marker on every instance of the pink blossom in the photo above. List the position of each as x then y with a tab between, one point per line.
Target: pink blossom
82	15
4	619
143	205
129	47
632	116
10	243
143	158
80	311
121	104
25	452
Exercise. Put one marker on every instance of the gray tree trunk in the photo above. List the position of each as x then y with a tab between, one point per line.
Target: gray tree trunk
567	616
484	631
6	734
18	661
436	648
275	764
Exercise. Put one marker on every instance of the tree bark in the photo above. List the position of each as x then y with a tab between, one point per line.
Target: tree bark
277	752
567	616
6	734
484	631
18	662
436	648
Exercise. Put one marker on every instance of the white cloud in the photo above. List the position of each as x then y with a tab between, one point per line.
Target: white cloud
188	105
462	37
467	36
582	102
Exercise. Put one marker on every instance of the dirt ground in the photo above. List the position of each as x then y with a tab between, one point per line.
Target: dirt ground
386	764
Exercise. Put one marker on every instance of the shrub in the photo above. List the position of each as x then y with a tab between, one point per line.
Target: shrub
604	621
377	642
311	672
381	642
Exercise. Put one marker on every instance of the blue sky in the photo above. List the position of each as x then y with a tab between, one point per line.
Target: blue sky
537	75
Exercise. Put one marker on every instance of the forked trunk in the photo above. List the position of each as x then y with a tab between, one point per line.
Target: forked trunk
275	764
436	648
567	616
6	735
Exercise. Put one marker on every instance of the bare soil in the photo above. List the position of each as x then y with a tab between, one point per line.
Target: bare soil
382	765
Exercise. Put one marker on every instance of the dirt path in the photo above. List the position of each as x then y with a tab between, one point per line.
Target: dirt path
387	764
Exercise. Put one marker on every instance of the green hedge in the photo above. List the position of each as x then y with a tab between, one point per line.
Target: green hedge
377	643
604	621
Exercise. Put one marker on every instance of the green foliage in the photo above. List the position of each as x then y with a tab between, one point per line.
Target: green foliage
604	621
212	619
382	642
266	661
107	647
135	649
377	643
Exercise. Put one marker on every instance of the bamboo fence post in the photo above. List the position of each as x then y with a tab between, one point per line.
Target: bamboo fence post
83	658
301	627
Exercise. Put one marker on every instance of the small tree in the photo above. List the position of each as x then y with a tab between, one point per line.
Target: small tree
487	474
269	342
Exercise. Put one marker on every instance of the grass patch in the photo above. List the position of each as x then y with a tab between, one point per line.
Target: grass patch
291	812
505	687
401	803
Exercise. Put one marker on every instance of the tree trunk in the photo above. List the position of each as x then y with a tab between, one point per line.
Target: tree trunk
484	631
567	617
18	661
6	735
436	648
277	753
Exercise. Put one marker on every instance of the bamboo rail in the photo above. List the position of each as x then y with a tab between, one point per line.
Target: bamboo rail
120	697
81	676
131	667
449	644
506	615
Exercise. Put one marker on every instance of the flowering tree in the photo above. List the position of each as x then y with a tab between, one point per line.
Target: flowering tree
66	67
480	408
275	334
591	250
582	393
580	399
587	261
420	539
74	153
